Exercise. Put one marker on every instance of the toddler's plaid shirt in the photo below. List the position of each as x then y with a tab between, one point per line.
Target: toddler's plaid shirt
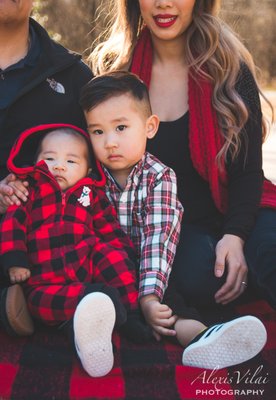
150	213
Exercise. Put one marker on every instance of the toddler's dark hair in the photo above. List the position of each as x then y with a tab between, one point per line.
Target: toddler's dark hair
112	84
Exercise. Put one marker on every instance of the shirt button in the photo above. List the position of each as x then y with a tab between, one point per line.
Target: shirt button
124	198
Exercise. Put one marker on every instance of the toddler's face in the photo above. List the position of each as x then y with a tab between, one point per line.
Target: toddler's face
66	157
119	129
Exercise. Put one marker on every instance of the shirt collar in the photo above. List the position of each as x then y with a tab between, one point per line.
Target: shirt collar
31	56
34	49
135	172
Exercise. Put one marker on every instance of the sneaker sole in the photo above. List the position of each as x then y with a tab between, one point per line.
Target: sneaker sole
239	341
94	321
17	312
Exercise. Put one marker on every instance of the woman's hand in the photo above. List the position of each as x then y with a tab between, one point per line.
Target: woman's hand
158	316
229	254
12	191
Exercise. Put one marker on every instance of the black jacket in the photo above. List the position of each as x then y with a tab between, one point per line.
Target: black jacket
50	95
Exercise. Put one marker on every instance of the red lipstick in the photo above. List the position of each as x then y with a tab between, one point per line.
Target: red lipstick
164	20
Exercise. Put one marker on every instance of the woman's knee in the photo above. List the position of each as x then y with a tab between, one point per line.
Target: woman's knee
194	267
260	253
260	248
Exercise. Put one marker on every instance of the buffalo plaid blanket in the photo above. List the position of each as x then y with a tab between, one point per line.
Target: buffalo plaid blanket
44	366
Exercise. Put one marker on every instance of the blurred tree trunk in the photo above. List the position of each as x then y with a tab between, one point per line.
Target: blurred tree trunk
254	21
72	22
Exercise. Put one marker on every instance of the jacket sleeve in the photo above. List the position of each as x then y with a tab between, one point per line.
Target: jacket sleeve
161	231
113	254
13	248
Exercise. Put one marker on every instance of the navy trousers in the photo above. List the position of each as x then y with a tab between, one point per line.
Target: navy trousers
193	270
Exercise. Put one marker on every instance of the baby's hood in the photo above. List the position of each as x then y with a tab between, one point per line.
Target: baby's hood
21	160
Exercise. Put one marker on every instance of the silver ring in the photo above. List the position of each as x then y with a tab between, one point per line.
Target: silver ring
244	283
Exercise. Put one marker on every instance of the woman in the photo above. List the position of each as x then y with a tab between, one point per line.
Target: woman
202	86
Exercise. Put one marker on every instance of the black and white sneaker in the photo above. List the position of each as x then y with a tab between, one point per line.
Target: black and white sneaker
226	344
93	323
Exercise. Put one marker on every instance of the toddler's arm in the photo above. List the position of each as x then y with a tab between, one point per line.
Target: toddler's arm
161	231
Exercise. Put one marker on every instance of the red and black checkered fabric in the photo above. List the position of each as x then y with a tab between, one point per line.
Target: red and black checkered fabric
44	366
67	245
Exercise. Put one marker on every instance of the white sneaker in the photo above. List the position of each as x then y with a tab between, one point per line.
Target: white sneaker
227	344
94	321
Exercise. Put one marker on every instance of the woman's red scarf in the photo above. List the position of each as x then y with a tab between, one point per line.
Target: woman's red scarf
204	133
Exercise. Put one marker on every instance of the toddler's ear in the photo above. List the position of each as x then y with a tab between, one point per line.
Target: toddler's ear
152	126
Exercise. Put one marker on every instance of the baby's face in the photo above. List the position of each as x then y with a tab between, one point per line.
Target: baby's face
66	157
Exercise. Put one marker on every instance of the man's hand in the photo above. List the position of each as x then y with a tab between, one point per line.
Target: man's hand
158	316
12	191
19	274
229	254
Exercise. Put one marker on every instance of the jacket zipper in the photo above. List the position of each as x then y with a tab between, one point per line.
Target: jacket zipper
63	202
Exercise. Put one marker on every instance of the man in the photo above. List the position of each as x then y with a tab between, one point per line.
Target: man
39	83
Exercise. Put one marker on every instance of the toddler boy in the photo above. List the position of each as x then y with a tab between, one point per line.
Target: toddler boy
143	190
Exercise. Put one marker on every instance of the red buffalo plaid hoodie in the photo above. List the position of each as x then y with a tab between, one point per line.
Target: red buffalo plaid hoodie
67	243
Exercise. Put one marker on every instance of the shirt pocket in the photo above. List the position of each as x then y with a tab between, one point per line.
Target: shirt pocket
139	215
139	221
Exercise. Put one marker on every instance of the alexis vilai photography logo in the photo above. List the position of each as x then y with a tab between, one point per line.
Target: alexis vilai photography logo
252	382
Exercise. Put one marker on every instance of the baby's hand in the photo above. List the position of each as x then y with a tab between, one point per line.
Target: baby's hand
19	274
158	316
